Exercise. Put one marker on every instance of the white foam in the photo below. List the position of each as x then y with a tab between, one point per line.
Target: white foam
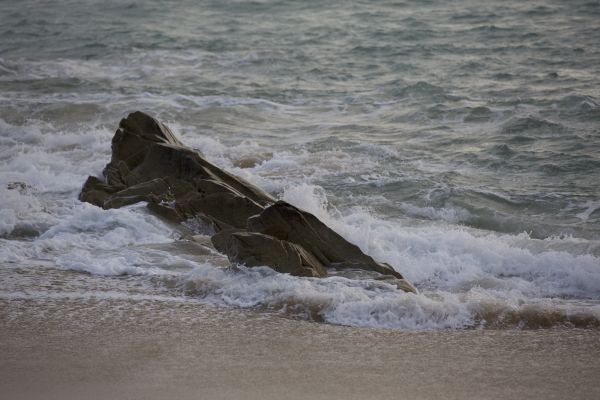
464	274
48	158
16	207
8	220
336	300
373	303
106	242
454	215
49	166
590	207
446	256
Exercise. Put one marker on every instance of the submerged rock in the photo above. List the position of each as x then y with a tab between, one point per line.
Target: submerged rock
150	164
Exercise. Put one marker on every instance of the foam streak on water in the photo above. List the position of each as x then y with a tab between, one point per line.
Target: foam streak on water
458	143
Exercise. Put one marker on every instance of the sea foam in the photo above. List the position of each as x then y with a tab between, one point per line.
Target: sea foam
467	277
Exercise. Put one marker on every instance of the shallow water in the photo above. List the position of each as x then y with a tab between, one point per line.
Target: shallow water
458	142
101	337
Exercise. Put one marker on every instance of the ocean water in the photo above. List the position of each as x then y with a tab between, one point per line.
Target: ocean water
458	141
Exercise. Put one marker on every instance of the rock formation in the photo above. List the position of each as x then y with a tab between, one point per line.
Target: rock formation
251	227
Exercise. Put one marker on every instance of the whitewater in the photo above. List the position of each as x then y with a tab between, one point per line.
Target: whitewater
463	148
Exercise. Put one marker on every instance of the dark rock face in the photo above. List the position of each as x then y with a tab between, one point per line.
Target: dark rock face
286	222
255	249
150	164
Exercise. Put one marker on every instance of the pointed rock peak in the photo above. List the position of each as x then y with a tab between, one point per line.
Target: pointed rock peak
142	125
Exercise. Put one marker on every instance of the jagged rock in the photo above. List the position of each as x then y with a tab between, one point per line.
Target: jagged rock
286	222
226	207
95	191
256	249
156	190
167	211
150	164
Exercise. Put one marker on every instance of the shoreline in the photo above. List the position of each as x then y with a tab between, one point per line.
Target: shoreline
59	346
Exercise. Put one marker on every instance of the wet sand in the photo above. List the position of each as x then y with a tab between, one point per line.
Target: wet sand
115	340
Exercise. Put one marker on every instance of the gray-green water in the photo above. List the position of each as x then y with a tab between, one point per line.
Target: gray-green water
459	141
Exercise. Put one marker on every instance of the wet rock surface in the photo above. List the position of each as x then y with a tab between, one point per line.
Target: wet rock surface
256	249
251	227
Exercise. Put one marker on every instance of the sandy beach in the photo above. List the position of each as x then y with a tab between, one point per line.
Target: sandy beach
112	341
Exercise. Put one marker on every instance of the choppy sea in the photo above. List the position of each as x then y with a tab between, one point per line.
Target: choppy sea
458	141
